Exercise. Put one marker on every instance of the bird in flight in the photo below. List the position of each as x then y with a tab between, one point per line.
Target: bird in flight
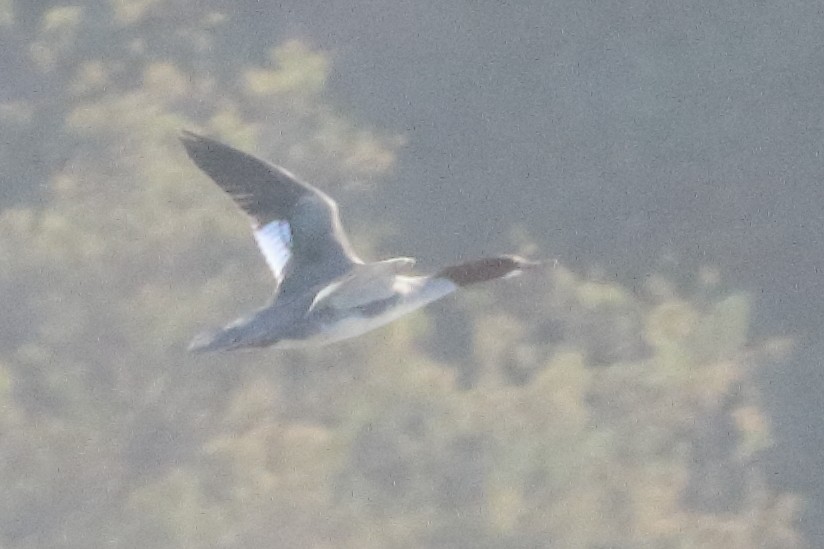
323	291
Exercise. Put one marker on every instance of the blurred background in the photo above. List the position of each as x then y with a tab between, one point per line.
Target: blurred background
658	388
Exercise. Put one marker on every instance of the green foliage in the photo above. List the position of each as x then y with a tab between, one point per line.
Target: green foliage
594	420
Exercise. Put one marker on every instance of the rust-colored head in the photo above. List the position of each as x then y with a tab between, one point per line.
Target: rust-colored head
488	268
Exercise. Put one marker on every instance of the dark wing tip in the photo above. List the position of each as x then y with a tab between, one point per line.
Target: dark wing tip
196	144
264	191
187	136
193	142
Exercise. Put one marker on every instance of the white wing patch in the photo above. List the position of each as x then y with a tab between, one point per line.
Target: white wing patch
275	242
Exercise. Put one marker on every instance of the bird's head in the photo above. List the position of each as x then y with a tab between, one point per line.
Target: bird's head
488	268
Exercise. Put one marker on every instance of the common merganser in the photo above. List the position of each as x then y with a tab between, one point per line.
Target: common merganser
324	291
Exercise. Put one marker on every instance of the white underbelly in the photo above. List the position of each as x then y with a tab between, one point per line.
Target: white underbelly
420	293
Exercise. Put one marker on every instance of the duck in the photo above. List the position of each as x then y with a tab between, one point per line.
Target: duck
324	292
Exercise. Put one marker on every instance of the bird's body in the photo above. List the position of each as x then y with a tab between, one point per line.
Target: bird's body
325	293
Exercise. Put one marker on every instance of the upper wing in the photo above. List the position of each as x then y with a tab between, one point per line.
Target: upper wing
296	226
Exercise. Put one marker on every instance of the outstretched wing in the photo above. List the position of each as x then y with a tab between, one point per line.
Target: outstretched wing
296	226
